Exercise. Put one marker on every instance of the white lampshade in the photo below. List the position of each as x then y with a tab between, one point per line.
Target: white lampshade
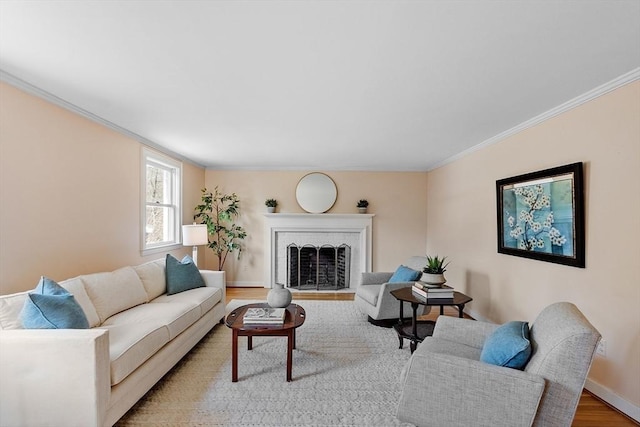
194	235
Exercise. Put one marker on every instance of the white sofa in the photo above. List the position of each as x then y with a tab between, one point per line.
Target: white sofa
91	377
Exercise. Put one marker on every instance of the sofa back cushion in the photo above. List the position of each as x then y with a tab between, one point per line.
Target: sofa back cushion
10	309
152	275
114	292
76	287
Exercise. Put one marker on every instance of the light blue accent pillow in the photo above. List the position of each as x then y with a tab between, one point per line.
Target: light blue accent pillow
182	275
405	274
50	306
508	346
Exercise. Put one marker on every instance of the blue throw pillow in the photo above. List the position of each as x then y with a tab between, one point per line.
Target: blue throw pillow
508	346
405	274
50	306
182	275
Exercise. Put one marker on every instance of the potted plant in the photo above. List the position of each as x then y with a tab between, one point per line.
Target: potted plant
362	205
433	272
218	211
271	205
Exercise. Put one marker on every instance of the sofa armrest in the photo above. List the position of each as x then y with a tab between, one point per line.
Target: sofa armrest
441	389
54	377
368	278
463	331
215	279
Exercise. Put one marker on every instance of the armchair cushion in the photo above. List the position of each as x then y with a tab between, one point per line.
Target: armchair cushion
405	274
370	293
508	346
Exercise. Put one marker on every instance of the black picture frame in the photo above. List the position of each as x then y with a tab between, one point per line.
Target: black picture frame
541	215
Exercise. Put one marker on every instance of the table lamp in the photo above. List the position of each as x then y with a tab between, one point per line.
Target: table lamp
195	235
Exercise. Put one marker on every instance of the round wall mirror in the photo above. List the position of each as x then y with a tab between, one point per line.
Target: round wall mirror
316	192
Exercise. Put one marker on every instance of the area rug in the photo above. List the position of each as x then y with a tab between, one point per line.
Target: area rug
345	373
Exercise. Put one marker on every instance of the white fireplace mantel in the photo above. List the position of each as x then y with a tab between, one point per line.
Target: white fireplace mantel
275	223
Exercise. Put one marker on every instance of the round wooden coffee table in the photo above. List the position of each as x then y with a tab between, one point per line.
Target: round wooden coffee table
294	318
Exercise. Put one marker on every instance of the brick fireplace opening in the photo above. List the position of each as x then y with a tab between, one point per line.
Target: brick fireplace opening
318	267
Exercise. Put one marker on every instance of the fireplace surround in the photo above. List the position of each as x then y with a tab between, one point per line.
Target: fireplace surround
316	230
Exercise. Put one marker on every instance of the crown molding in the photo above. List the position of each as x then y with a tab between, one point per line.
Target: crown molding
48	96
610	86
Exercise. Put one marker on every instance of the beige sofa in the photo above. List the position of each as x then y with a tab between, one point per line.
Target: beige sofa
91	377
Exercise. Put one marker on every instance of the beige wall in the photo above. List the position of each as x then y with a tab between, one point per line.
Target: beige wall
398	201
605	135
69	194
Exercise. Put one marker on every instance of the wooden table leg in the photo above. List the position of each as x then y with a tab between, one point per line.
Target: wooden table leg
249	342
294	339
290	339
234	356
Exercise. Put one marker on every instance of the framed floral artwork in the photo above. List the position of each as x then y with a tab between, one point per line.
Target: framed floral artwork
541	215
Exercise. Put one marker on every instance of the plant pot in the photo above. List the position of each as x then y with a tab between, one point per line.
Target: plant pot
362	210
271	209
279	296
433	279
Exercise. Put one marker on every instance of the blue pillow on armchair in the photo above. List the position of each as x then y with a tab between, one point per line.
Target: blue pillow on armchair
405	274
508	346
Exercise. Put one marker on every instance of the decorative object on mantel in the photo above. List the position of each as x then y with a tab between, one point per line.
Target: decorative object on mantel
218	211
271	205
541	215
433	272
362	205
316	193
279	296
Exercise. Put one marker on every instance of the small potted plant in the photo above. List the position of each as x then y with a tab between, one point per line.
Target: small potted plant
271	205
362	205
433	272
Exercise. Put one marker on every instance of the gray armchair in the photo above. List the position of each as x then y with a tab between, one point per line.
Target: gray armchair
373	295
446	384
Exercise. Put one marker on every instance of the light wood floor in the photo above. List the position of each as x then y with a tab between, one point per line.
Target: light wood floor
592	412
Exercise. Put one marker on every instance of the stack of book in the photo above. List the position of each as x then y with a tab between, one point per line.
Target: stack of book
264	316
428	291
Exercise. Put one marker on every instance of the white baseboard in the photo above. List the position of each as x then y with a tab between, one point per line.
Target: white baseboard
598	390
245	285
613	399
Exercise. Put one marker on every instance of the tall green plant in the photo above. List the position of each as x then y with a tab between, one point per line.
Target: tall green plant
218	211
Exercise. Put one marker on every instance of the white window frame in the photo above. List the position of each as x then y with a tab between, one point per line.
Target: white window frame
156	159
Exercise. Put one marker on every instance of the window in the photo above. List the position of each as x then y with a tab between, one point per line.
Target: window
161	201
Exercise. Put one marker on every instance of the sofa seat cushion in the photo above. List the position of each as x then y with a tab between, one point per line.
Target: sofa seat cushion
205	298
115	291
369	293
176	317
131	344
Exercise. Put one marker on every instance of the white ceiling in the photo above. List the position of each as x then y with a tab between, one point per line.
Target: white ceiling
329	85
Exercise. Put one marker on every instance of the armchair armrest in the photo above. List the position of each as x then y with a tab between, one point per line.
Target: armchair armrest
378	278
493	396
463	331
54	377
215	279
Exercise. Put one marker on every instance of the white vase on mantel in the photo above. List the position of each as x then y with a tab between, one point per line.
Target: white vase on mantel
279	296
433	279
